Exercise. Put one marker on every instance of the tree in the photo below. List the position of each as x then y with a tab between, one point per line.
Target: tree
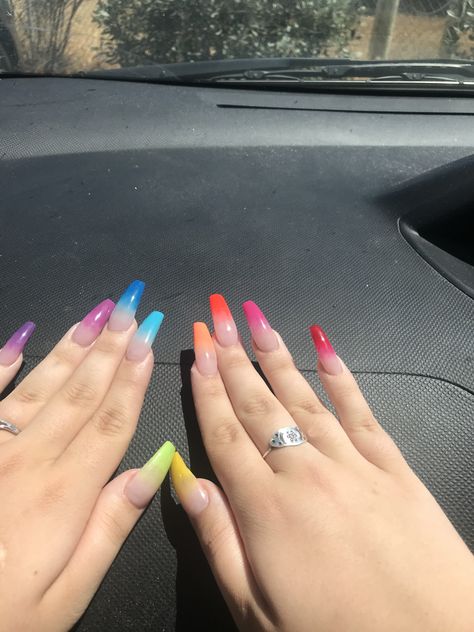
138	32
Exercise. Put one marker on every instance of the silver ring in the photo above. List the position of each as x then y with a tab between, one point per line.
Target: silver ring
6	425
285	438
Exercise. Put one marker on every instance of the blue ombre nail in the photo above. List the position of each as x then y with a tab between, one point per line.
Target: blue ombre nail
141	342
124	312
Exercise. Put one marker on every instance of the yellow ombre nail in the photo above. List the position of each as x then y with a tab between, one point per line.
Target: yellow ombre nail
146	482
191	493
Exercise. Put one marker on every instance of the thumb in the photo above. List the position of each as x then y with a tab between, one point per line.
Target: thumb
215	526
118	507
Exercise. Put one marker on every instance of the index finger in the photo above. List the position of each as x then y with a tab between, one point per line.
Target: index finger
233	455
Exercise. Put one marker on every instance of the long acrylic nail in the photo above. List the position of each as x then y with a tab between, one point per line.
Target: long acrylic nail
327	356
140	345
124	312
92	324
206	359
262	334
191	494
146	482
15	345
224	325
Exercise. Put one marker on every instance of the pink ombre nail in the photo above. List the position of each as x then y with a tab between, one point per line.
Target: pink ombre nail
262	334
224	325
327	356
15	345
92	324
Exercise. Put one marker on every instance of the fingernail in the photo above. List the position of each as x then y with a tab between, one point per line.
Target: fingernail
144	337
147	481
327	356
262	334
190	493
124	312
15	345
224	325
206	359
92	324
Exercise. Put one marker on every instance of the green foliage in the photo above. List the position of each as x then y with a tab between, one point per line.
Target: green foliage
145	31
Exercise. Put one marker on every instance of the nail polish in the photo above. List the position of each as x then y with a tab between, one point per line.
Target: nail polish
146	482
262	334
140	345
124	312
224	325
191	494
92	324
327	356
206	359
15	345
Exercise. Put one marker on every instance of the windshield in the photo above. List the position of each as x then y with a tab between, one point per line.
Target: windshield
71	36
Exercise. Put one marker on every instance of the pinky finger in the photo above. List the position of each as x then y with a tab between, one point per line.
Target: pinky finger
11	354
117	510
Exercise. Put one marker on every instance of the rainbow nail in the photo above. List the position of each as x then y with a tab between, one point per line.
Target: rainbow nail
190	493
327	356
15	345
144	337
146	482
206	360
124	312
92	324
262	334
224	325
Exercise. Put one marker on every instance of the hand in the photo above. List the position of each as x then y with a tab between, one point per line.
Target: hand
61	524
336	534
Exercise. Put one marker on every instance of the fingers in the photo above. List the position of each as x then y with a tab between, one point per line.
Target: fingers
58	422
58	366
234	457
255	406
354	413
292	390
215	526
101	443
118	507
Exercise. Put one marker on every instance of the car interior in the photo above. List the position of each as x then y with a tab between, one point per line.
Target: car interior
349	206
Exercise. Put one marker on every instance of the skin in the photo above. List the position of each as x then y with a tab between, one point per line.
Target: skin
336	534
78	411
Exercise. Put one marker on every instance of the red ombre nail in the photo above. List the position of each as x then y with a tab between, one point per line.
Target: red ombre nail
327	356
224	325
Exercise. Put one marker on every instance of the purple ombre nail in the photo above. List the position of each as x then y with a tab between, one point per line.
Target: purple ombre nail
92	324
15	345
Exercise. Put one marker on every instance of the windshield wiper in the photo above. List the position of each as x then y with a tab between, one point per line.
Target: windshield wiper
289	69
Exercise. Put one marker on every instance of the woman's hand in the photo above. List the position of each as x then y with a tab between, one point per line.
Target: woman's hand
61	524
336	534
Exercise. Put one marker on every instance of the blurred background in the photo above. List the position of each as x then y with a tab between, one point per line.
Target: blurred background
63	36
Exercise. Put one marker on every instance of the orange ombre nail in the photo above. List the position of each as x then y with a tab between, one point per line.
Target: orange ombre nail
206	360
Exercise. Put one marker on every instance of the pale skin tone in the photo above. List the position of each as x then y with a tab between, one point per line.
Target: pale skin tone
336	534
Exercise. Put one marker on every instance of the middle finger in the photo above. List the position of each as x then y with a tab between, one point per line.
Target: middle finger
257	408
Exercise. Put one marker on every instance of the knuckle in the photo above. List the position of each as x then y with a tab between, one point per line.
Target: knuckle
111	421
216	537
213	389
79	393
364	422
258	404
52	494
29	395
226	432
108	345
10	465
113	527
236	359
307	406
61	355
